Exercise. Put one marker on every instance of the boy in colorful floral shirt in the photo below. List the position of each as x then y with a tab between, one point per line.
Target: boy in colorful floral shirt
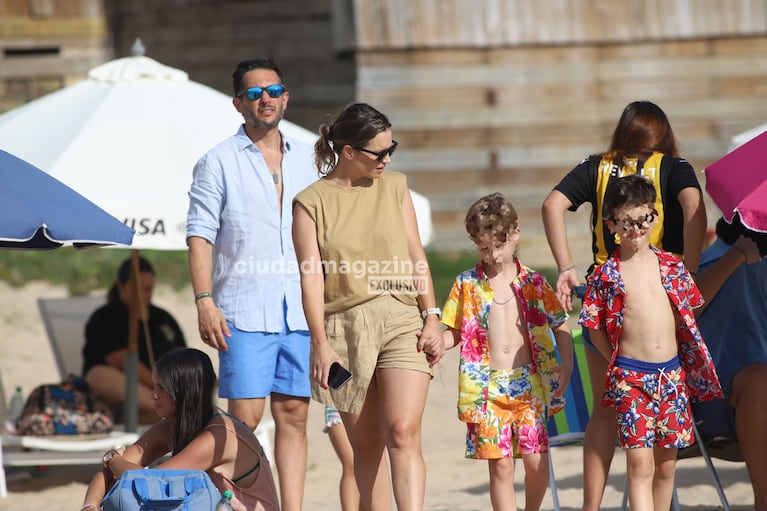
639	311
502	314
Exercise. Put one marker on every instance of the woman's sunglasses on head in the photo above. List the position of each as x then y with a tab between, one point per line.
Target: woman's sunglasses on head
381	154
274	91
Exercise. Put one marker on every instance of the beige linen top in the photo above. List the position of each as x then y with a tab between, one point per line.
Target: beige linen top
362	240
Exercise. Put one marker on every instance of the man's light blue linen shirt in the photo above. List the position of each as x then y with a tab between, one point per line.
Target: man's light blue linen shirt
233	205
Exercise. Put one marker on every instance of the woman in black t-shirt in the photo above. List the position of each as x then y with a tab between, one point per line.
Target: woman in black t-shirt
642	143
106	341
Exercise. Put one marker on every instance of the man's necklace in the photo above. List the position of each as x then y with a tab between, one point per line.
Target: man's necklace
503	302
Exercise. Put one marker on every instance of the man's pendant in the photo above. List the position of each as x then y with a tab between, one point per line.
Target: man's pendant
276	178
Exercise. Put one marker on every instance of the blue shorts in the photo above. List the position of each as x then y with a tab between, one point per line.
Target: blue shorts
258	364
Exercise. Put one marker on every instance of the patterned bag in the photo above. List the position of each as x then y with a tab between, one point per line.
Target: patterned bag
67	408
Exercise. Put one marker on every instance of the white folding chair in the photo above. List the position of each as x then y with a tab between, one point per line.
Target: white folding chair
64	321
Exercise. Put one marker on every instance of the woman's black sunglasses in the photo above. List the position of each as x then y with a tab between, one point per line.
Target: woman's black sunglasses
379	155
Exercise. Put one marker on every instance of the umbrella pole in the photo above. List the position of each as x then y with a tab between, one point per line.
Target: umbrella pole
131	362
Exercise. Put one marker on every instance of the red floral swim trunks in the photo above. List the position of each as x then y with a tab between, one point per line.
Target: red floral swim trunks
651	404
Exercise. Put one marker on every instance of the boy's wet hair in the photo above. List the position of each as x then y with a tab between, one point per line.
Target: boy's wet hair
492	214
631	190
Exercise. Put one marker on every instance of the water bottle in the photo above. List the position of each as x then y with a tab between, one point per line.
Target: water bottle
14	410
225	504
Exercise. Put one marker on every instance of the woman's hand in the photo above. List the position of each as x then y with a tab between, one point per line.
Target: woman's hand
322	357
566	281
430	340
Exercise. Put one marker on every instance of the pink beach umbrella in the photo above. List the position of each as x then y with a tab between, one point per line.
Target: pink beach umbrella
738	183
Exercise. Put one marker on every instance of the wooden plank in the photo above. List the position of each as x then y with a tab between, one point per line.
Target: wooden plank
11	28
397	24
739	46
562	133
52	8
24	68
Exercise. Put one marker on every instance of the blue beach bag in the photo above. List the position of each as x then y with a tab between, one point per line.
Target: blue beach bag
162	490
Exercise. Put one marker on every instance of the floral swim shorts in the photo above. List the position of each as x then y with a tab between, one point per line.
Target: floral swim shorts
651	404
515	422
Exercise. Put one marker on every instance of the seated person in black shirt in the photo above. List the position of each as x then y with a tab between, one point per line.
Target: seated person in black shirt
106	341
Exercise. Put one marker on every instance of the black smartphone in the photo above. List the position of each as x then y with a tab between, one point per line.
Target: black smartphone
338	375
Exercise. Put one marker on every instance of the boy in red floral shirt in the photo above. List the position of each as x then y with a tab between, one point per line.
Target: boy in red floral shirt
638	308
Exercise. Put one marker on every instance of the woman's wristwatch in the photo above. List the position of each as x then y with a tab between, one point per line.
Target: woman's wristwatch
431	310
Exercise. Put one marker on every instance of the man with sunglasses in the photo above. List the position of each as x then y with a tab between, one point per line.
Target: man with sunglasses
243	268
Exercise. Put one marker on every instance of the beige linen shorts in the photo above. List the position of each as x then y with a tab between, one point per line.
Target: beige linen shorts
380	333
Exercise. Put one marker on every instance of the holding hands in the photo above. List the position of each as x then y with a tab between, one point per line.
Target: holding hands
430	340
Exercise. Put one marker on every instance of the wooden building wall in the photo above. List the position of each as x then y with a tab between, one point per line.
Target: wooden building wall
509	96
484	95
206	38
48	44
401	24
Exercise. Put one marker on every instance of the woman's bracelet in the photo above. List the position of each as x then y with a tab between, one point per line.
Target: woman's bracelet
571	267
745	257
200	296
89	506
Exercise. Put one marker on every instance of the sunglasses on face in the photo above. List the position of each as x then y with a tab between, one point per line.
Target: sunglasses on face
627	223
274	91
381	154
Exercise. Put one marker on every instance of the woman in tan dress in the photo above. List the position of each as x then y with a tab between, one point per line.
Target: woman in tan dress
369	301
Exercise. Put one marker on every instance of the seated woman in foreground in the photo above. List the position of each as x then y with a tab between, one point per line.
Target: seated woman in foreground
199	437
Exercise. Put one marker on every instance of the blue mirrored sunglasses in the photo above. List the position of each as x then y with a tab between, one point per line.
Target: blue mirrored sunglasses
274	91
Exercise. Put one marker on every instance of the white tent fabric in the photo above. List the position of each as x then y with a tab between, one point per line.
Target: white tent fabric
128	137
741	138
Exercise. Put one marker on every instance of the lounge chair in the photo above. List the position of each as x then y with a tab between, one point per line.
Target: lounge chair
568	426
64	321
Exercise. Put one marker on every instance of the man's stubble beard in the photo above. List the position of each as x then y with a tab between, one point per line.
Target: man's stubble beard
258	123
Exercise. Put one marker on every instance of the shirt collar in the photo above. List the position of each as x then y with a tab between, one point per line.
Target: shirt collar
243	140
521	272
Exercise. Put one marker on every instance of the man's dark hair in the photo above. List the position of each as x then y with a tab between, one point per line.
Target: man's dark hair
729	233
631	190
249	65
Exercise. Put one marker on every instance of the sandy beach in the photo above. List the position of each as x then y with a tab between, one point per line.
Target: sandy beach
453	483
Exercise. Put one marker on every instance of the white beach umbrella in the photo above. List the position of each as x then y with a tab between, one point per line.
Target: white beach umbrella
128	137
